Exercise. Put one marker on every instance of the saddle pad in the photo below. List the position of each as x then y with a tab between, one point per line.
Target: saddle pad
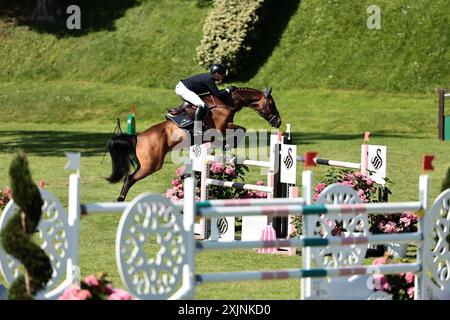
186	118
182	120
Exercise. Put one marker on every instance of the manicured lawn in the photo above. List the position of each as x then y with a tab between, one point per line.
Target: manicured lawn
331	122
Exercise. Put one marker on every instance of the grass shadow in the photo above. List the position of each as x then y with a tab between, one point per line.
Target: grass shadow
276	18
54	143
95	15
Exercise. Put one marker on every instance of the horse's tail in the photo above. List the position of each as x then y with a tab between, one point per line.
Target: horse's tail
120	148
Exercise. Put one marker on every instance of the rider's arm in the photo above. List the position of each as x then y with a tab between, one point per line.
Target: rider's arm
212	87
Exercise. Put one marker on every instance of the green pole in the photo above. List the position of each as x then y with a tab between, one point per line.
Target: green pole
131	122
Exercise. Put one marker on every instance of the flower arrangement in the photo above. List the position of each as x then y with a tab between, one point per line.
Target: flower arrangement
401	286
95	288
394	223
219	171
366	187
5	196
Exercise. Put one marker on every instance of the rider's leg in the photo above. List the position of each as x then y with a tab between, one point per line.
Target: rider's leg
187	95
198	120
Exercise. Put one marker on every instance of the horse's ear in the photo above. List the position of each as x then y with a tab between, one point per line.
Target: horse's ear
267	92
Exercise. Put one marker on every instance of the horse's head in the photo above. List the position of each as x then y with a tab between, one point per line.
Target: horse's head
263	103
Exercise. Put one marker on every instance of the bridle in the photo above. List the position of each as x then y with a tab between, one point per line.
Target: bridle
268	117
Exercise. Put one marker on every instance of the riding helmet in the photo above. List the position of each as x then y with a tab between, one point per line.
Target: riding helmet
218	67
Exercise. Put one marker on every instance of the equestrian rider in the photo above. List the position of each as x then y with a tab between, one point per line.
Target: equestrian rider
188	89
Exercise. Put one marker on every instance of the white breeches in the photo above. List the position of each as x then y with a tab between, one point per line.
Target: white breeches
187	95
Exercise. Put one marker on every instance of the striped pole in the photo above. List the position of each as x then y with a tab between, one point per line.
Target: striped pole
234	161
112	207
284	210
238	185
334	163
249	202
308	273
305	242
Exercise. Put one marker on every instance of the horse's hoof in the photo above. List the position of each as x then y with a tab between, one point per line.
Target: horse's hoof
120	199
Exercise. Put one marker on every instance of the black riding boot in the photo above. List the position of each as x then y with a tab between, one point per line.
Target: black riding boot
198	121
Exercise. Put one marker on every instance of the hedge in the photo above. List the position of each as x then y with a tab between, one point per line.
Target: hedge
229	31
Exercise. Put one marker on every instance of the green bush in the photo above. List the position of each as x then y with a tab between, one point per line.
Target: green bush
16	237
229	31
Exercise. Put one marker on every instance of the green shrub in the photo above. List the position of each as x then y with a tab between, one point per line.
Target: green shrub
229	31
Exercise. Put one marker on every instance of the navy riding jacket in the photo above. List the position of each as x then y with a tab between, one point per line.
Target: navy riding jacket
203	83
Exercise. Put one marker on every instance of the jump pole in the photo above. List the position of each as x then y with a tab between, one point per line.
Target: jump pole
201	159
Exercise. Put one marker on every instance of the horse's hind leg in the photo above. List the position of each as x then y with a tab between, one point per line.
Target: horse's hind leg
137	175
140	174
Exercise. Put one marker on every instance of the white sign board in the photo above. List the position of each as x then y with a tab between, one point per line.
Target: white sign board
222	229
377	163
288	164
252	227
197	154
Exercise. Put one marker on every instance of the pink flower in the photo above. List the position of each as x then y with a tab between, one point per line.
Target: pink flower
176	182
261	194
369	182
379	261
391	227
84	294
360	192
75	293
386	286
91	281
409	277
70	293
348	183
217	167
410	292
8	192
170	192
180	171
380	282
119	294
319	187
229	170
259	183
109	288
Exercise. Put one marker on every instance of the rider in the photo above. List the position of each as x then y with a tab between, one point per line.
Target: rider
189	88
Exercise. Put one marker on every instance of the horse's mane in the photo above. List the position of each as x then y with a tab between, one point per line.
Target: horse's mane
249	89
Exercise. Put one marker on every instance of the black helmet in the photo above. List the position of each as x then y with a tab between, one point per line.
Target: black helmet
218	67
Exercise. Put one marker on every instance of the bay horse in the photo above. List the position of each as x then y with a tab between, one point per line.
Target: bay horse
151	146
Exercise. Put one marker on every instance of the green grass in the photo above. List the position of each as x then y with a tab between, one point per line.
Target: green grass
327	44
324	45
152	45
331	122
64	94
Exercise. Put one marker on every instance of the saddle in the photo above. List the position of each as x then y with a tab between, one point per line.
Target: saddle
184	115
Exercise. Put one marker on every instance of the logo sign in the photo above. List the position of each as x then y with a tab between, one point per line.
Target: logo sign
288	164
197	153
222	225
222	229
377	163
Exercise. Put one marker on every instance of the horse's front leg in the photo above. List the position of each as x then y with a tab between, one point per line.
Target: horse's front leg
234	135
